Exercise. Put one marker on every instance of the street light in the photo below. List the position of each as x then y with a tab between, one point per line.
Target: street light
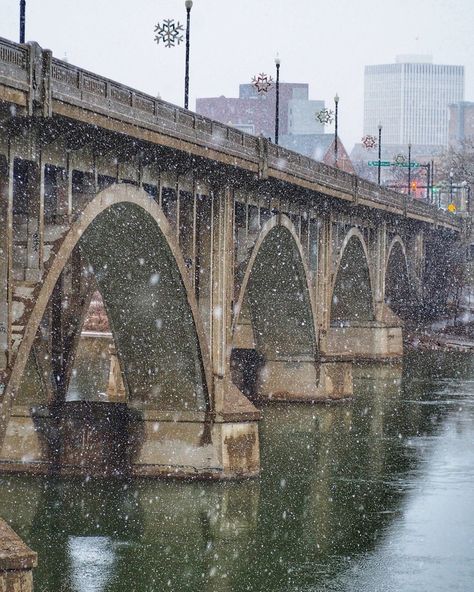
336	103
409	169
451	175
22	20
380	153
188	4
277	101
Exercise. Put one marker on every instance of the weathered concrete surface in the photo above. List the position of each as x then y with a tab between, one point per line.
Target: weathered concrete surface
113	439
359	342
16	562
309	381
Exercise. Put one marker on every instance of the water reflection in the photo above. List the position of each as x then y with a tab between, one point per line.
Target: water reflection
372	495
92	563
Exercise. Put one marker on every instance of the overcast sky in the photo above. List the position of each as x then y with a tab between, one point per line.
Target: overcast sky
325	44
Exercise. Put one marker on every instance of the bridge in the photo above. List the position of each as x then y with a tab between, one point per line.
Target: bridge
230	268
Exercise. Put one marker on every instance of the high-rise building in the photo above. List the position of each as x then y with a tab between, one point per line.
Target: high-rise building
410	99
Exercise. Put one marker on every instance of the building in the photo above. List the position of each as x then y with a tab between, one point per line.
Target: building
410	99
461	122
299	130
320	147
254	112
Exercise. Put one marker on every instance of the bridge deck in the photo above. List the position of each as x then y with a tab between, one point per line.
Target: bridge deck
68	91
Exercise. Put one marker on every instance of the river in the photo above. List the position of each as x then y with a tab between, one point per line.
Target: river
373	495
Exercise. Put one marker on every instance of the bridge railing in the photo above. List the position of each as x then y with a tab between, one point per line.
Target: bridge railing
85	89
14	61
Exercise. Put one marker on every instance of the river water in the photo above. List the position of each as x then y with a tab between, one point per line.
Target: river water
374	495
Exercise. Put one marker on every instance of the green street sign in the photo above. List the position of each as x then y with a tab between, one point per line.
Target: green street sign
412	165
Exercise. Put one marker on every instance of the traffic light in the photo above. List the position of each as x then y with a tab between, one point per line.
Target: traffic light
414	185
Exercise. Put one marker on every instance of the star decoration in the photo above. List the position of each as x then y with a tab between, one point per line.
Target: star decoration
399	159
169	33
262	82
325	116
369	142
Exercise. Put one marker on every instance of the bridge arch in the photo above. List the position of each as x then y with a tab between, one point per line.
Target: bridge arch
143	281
352	290
275	308
398	294
280	237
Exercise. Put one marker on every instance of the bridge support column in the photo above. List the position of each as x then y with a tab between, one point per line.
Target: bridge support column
6	206
33	188
380	257
323	284
236	418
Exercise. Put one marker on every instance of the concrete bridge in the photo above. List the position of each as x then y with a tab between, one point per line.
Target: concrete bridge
228	267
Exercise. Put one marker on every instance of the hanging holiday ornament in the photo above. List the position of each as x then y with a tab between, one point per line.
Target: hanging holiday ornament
262	82
325	116
369	142
169	33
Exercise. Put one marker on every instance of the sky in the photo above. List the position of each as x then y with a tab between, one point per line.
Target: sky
326	44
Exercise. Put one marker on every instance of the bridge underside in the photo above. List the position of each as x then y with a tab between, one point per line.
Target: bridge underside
275	355
158	416
359	330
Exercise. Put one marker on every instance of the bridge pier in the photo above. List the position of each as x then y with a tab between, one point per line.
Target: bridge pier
364	341
115	439
17	562
304	380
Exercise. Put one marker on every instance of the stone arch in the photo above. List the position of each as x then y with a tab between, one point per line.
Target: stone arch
275	300
134	226
398	294
352	290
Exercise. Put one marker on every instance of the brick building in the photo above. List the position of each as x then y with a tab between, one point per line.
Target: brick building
461	122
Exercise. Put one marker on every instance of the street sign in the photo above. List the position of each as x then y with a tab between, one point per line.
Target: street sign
412	165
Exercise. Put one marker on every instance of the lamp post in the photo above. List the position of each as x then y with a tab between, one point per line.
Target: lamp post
277	100
22	20
380	153
409	169
188	4
451	175
336	103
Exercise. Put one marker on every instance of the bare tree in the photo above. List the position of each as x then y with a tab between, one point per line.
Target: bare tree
459	159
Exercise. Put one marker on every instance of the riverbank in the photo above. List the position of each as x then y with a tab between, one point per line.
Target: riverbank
440	337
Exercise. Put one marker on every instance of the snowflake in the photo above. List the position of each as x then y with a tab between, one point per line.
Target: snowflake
399	159
169	33
369	142
262	82
325	116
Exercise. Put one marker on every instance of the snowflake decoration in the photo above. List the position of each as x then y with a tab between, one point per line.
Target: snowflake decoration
325	116
399	159
262	82
369	142
169	33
